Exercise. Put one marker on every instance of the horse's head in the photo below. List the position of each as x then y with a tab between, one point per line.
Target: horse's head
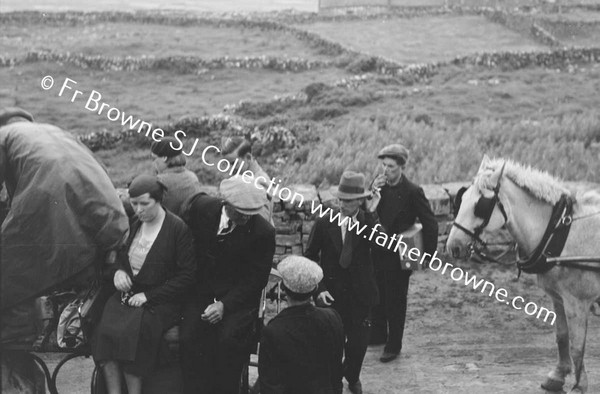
479	210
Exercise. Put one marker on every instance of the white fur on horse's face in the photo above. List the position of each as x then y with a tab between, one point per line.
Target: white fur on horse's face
458	240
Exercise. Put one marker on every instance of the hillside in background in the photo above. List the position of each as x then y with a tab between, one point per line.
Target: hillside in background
317	102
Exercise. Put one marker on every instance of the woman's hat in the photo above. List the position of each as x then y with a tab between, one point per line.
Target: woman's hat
164	147
146	183
352	186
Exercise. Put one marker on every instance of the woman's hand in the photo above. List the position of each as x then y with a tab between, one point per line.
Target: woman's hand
138	300
122	281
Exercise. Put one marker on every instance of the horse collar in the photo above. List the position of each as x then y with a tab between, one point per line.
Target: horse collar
553	241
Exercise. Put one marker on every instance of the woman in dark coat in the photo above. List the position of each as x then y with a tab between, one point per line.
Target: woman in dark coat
154	270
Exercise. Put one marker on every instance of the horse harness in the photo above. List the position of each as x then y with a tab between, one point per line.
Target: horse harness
483	210
547	254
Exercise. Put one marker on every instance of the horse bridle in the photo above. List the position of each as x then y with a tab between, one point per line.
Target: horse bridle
547	254
483	210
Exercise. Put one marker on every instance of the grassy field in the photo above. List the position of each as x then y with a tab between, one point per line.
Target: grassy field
187	5
575	28
135	40
424	40
154	96
535	115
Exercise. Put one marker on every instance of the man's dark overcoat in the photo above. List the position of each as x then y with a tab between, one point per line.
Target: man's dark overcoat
325	247
232	268
301	352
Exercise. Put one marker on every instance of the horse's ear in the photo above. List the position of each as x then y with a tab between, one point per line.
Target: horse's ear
484	163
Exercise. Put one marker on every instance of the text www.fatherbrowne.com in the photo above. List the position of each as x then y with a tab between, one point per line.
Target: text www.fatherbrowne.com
397	245
394	242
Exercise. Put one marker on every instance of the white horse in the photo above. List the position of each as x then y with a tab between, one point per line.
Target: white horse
529	202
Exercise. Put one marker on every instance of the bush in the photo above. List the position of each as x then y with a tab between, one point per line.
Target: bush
568	147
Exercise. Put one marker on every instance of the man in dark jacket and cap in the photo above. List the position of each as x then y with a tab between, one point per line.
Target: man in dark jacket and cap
402	202
234	247
301	348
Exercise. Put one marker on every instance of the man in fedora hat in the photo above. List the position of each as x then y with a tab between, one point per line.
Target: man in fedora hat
402	202
349	281
301	348
234	247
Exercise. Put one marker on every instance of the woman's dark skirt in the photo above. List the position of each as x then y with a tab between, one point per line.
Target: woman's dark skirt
132	335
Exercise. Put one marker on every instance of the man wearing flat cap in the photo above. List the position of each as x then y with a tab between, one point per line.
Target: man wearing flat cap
402	202
235	247
349	281
301	348
240	149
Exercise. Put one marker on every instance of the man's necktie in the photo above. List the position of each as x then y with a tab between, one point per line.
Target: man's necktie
346	255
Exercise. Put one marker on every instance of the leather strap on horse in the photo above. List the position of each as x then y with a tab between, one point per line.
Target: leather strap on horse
553	241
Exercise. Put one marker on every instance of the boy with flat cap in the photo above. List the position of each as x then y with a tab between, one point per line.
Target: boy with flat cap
301	348
235	247
402	202
345	256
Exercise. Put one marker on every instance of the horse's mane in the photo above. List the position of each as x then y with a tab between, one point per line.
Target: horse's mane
540	184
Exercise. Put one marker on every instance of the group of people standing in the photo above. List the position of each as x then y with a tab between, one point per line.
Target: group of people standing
203	262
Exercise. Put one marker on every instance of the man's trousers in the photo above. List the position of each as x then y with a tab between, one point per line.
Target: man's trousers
213	355
355	317
388	318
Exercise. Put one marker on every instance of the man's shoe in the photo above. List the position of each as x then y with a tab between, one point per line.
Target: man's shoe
356	387
386	357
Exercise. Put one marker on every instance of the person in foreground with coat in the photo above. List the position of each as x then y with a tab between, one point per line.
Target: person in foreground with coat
301	348
61	219
349	284
235	247
155	269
